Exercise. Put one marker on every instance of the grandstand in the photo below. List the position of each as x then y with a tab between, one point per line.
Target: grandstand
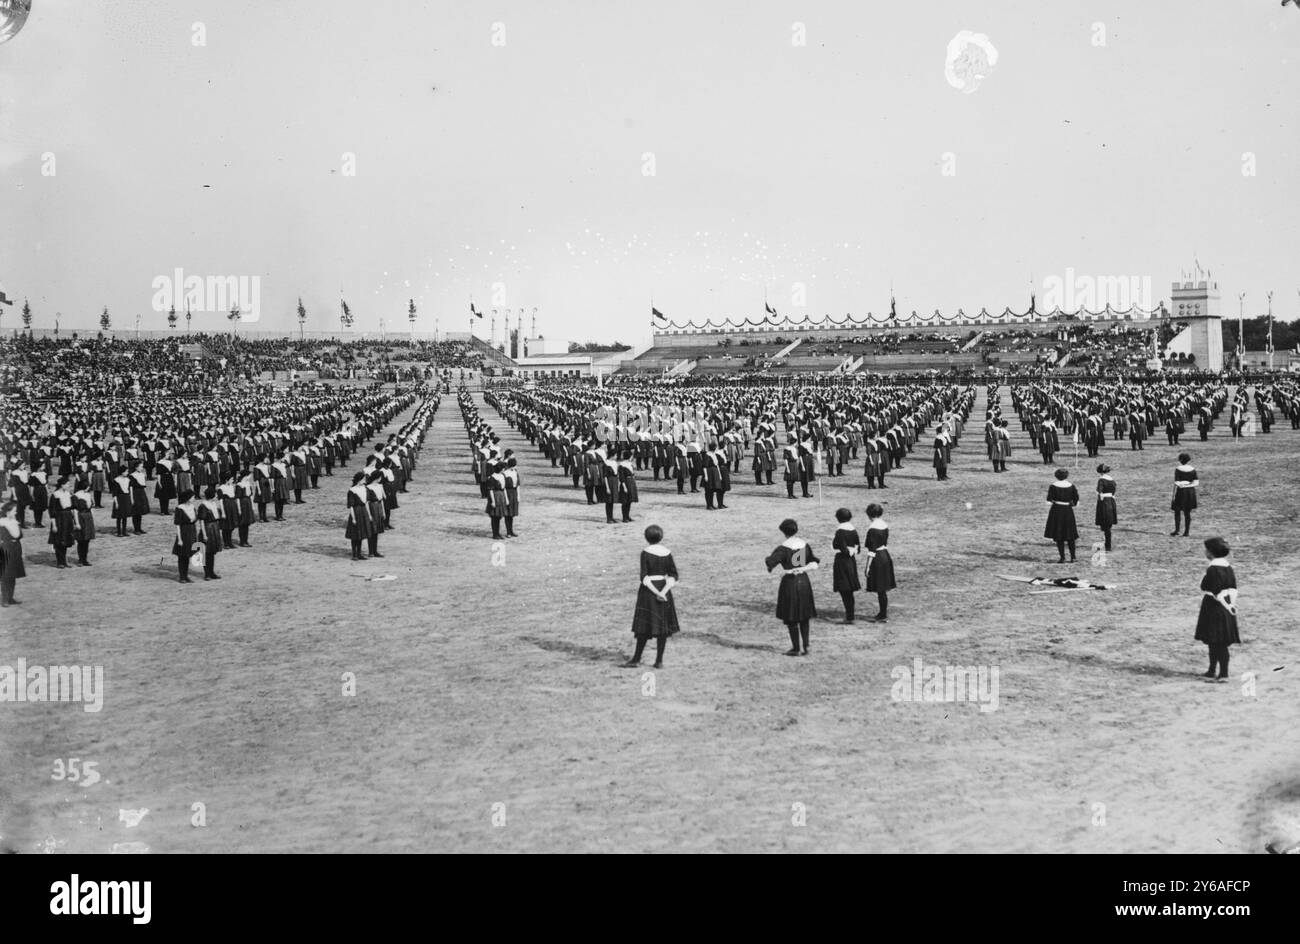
1065	343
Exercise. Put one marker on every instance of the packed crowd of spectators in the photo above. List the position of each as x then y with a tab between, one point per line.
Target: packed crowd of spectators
108	366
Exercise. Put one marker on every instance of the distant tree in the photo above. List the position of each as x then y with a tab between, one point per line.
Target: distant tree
27	315
171	318
105	321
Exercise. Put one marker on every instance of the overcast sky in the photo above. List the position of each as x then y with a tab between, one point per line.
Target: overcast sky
522	162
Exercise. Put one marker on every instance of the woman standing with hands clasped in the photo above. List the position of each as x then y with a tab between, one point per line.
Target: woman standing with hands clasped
844	571
1107	516
880	566
1061	528
656	614
794	599
1216	625
1185	482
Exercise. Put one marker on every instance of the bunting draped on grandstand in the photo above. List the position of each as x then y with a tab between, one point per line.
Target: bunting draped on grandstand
959	317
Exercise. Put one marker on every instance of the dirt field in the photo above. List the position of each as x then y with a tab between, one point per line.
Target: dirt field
491	713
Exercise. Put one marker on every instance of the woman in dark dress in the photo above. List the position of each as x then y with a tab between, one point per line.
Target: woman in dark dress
496	496
82	503
165	488
98	479
1185	483
139	498
229	510
280	485
627	493
359	525
844	571
120	488
1061	526
794	600
209	518
656	613
1107	515
375	506
40	495
187	534
63	523
11	552
245	488
880	565
1216	626
512	495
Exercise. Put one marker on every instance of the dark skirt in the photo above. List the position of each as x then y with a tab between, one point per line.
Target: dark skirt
794	601
187	539
1061	525
362	527
512	502
86	520
880	573
11	559
1215	626
62	524
166	487
1184	499
377	519
1106	514
653	616
844	574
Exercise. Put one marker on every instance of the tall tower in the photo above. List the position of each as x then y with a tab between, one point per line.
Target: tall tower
1197	304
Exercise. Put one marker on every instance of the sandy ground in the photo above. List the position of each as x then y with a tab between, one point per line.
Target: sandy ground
491	713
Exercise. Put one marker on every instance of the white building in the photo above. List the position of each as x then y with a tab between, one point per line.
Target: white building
553	365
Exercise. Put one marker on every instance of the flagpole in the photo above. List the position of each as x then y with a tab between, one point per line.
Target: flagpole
1270	331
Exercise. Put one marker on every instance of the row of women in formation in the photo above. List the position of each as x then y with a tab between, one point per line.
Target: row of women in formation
216	503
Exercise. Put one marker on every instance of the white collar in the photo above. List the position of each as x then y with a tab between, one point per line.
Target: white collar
1186	468
1106	477
658	550
1220	562
880	524
12	526
794	543
1064	483
846	526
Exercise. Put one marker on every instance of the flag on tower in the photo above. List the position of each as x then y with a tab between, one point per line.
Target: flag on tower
656	313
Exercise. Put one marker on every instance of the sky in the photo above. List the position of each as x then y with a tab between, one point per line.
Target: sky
585	157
